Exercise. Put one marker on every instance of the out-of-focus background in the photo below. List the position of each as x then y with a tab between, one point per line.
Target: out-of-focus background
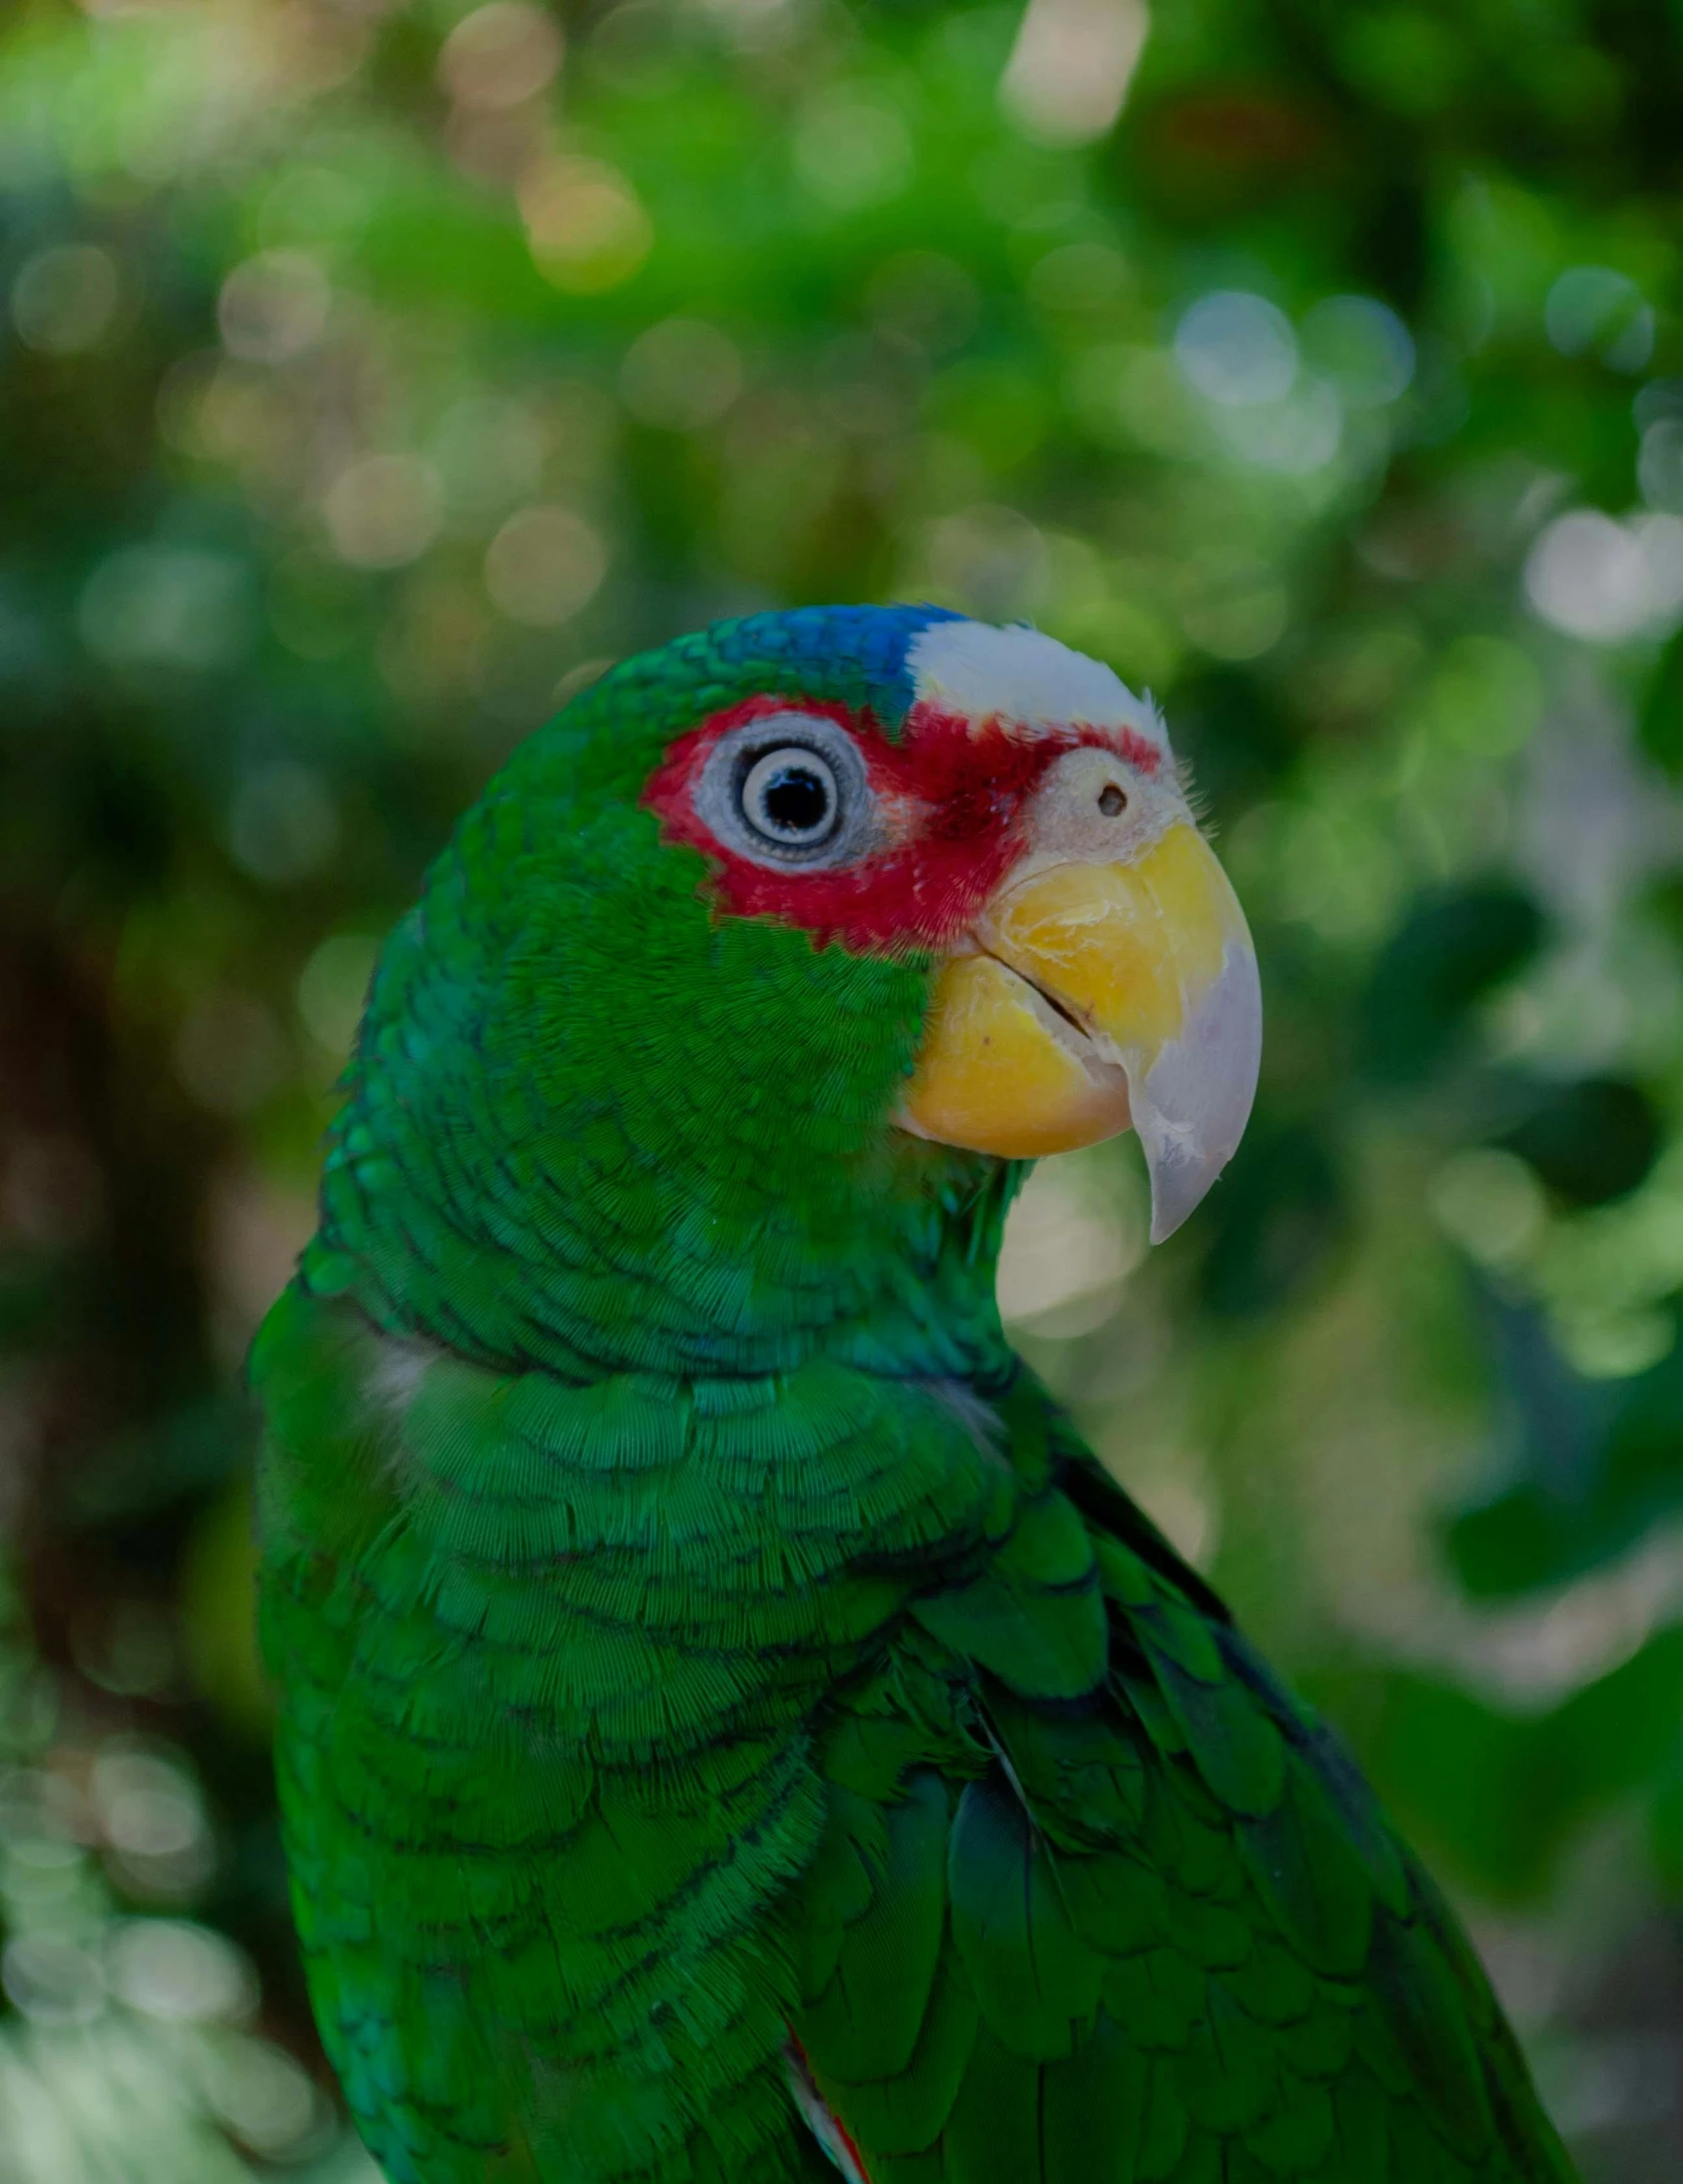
372	373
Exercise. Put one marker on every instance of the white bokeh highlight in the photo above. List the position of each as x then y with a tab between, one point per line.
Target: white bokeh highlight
1593	576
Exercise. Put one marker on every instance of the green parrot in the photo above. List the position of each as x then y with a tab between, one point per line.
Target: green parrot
730	1724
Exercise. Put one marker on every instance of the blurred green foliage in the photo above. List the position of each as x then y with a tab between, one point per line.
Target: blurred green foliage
374	371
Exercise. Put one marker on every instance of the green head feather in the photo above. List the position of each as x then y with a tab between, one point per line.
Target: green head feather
595	1125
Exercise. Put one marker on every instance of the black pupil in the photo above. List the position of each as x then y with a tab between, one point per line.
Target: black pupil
795	799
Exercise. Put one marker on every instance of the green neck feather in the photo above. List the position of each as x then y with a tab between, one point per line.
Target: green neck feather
592	1126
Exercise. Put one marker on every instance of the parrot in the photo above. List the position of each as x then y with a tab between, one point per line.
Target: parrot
731	1729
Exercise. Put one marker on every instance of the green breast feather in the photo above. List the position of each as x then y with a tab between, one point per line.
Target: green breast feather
729	1723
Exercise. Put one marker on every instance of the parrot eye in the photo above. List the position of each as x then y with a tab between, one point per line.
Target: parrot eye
790	789
790	798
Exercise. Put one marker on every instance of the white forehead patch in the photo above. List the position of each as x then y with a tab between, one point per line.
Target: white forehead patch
1018	676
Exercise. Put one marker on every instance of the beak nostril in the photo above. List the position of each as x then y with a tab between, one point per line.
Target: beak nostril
1112	801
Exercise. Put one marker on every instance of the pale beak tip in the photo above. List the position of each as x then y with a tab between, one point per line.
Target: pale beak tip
1193	1105
1177	1191
1183	1174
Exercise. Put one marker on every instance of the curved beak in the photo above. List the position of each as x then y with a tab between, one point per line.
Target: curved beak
1099	995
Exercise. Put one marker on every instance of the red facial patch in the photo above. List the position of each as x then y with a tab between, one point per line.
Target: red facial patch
949	794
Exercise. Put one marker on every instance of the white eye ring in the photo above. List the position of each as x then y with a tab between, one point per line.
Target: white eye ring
836	822
791	798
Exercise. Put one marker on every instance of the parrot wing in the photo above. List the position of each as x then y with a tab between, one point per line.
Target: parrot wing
1099	1902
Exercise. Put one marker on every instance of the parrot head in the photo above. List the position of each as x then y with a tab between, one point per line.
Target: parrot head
755	964
1020	823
